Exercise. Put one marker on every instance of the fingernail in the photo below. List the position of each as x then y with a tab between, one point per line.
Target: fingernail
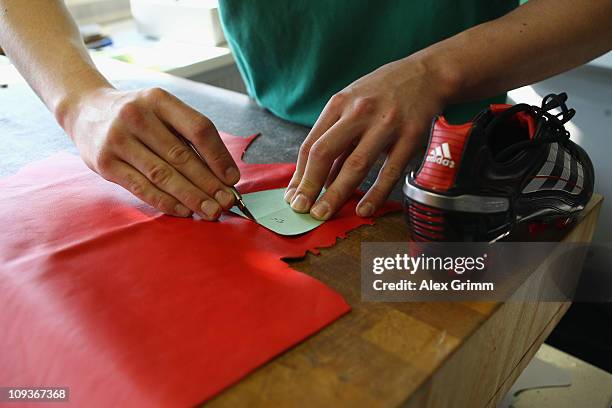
232	175
224	198
182	211
211	209
321	210
300	203
289	194
365	210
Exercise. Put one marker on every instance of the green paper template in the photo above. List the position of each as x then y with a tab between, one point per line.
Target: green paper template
271	211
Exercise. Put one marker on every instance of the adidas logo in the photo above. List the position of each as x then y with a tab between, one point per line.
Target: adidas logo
441	155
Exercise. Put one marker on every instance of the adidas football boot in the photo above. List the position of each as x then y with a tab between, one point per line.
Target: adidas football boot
511	164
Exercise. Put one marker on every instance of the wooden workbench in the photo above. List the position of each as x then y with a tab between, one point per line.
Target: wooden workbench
435	354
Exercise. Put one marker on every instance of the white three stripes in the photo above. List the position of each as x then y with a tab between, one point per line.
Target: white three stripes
537	183
441	151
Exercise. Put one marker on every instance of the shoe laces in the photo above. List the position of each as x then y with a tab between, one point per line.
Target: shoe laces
550	126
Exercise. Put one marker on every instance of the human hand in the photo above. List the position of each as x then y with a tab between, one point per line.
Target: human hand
130	138
387	111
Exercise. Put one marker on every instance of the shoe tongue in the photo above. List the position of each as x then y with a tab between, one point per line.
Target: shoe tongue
510	132
523	119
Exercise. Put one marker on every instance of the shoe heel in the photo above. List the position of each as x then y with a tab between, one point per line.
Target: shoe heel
430	224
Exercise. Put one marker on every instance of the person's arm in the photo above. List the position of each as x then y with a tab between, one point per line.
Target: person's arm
389	110
127	137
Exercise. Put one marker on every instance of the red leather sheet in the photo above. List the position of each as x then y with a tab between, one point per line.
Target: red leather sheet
129	307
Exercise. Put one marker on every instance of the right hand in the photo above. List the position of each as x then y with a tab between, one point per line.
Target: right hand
129	138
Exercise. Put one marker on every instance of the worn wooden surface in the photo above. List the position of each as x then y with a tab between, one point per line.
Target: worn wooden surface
436	354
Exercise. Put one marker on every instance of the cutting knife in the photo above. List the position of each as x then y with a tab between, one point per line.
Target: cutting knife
239	201
240	204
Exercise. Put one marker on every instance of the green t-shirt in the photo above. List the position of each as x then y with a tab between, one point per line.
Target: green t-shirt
295	54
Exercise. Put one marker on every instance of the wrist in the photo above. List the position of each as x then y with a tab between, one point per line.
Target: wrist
67	105
445	75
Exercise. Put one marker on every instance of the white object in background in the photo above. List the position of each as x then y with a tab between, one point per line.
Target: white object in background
537	374
605	61
591	387
174	57
195	21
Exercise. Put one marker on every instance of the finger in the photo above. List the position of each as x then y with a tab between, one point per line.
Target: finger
391	171
128	177
169	180
329	116
319	162
352	173
335	170
200	131
180	156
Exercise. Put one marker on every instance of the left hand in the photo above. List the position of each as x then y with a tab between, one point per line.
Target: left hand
387	111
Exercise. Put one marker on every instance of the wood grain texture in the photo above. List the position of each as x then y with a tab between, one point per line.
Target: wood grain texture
431	354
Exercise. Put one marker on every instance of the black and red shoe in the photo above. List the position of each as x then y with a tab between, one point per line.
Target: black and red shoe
511	164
